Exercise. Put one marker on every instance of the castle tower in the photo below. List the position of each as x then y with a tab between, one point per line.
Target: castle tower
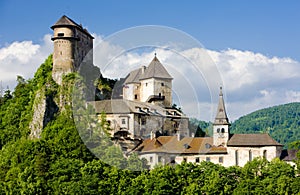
152	84
71	45
221	124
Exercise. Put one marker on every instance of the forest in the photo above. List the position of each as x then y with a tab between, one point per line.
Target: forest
58	162
281	122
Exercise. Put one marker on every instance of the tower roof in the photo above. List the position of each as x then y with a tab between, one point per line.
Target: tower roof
66	21
155	70
221	116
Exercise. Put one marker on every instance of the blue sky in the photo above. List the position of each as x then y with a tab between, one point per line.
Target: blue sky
255	44
269	27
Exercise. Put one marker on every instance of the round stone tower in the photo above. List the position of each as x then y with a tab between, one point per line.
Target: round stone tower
72	43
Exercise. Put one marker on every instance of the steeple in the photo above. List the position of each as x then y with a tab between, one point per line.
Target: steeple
221	116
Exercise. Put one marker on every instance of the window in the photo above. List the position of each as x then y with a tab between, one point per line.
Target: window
162	84
151	159
218	130
143	121
184	159
207	146
250	155
109	122
207	159
265	154
135	96
221	159
159	94
197	160
60	34
123	121
222	130
159	158
236	158
146	84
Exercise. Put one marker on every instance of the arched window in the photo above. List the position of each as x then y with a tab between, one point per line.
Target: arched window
236	158
218	130
222	130
265	154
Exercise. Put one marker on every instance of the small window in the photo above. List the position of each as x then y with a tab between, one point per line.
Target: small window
184	159
221	159
143	121
207	146
250	155
197	160
151	159
109	122
159	158
146	84
135	96
222	130
236	158
60	34
207	159
159	94
123	121
218	130
162	84
265	154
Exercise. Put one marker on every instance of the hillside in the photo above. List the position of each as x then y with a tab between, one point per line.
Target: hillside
281	122
58	162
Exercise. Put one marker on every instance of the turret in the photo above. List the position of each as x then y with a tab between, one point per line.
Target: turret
71	45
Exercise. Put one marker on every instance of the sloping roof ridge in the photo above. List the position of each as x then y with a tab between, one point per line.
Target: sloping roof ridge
155	70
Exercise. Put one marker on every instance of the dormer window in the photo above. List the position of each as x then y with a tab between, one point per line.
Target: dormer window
60	34
207	146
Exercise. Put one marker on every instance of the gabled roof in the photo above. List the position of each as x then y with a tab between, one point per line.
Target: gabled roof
241	140
66	21
155	70
134	76
221	116
186	145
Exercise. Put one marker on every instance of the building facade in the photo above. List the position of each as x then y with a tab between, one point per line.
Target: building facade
222	148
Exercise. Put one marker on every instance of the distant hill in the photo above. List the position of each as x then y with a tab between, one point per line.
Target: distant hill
281	122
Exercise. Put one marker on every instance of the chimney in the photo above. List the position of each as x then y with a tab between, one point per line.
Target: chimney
178	135
143	69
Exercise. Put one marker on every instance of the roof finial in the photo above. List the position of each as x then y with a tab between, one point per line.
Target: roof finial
221	93
155	54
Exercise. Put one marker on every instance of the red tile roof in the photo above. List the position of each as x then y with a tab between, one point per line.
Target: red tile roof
186	145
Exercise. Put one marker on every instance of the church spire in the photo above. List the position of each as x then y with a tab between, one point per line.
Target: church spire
221	116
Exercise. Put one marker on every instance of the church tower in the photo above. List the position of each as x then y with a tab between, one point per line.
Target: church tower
72	43
221	124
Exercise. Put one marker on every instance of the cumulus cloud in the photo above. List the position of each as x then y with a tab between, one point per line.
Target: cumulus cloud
250	80
22	58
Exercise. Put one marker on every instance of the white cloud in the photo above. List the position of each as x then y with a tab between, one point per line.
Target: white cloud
251	80
22	58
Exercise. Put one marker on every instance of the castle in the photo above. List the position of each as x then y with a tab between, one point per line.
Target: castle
145	112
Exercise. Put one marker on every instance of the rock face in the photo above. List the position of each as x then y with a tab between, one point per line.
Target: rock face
44	109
